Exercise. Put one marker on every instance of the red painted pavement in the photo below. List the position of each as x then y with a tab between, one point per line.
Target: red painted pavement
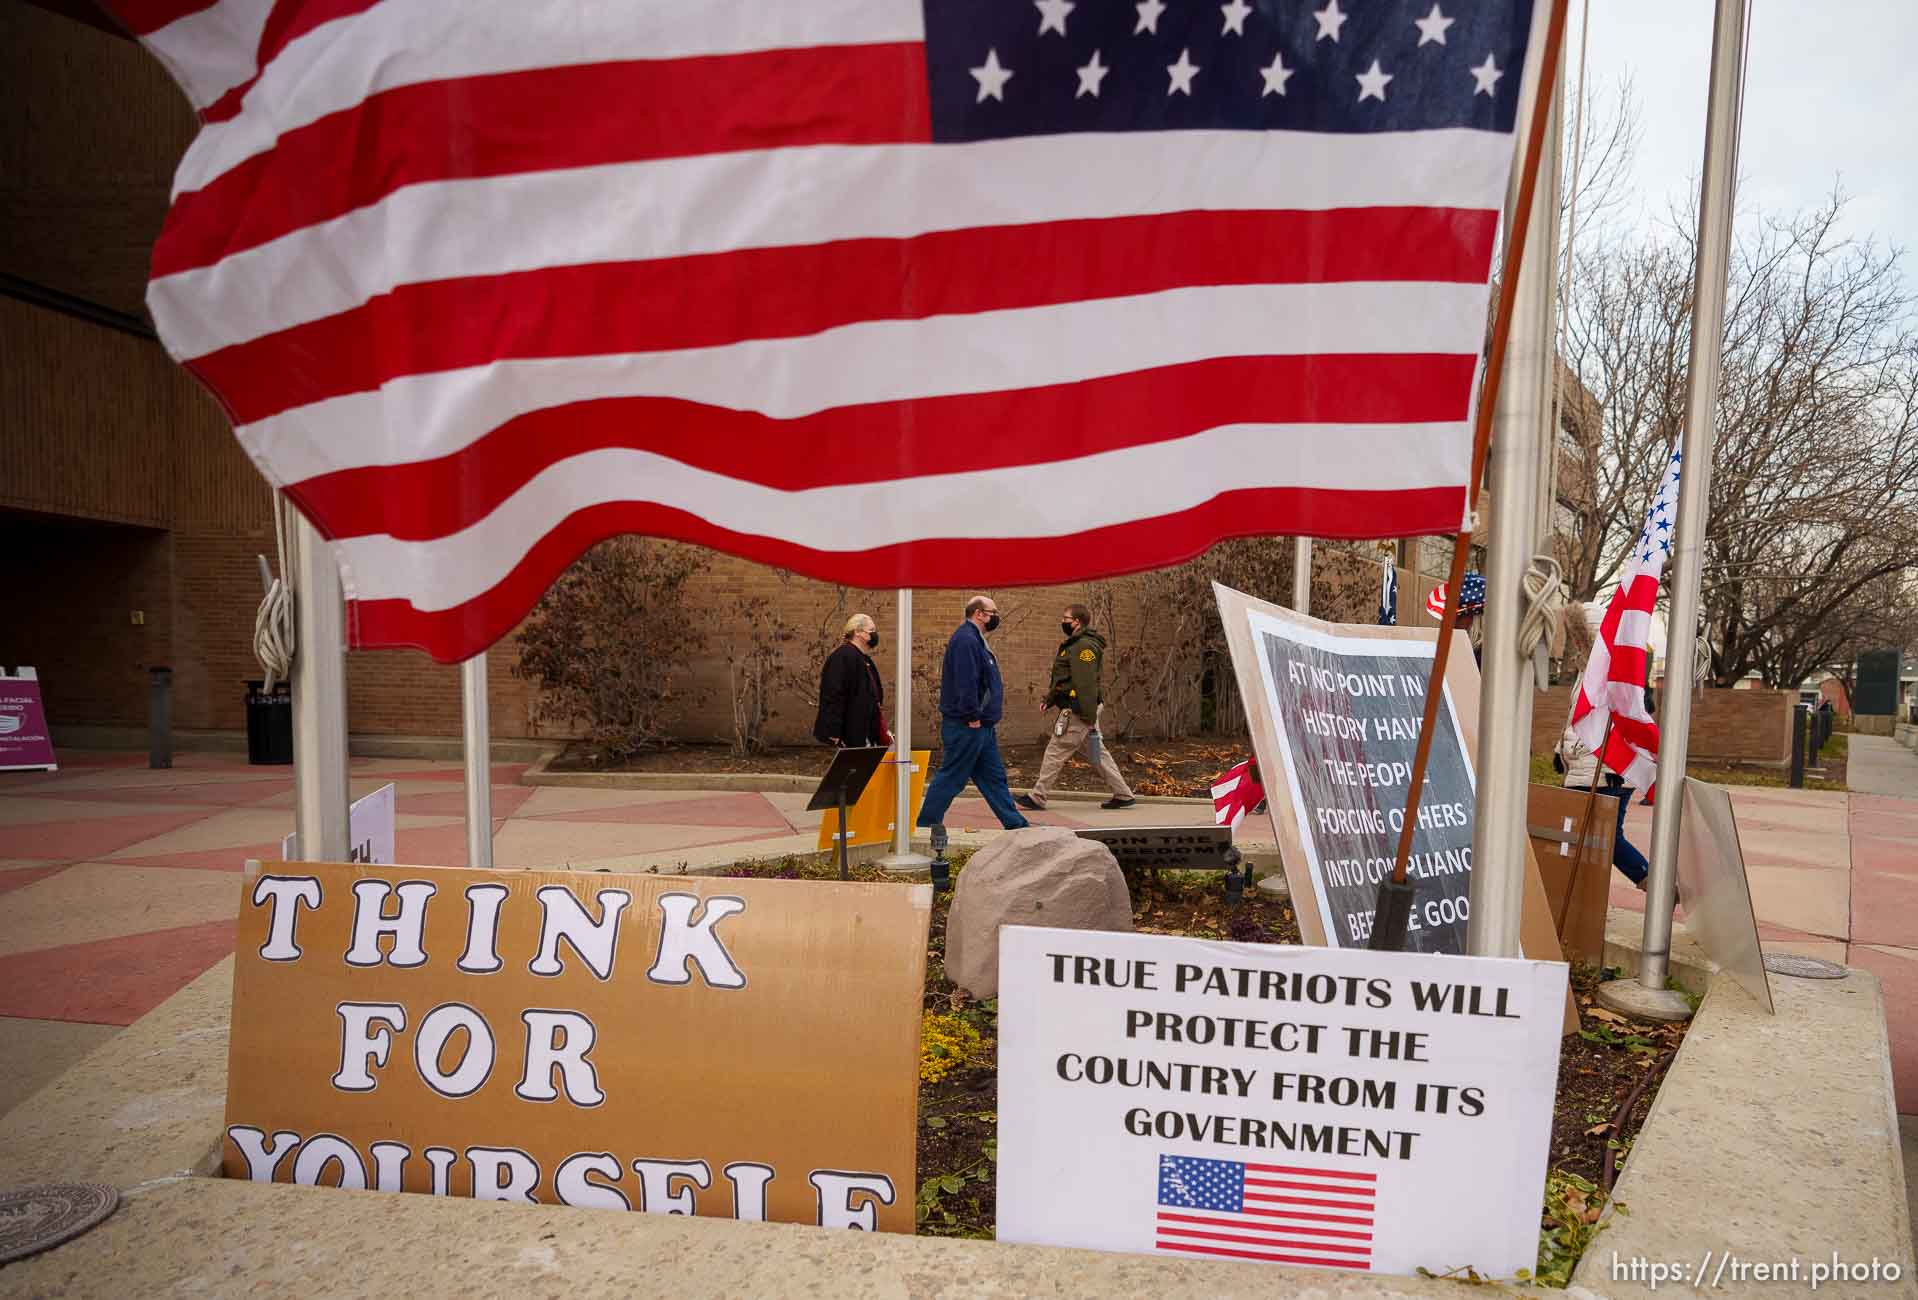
452	803
206	859
85	841
1900	976
112	981
19	876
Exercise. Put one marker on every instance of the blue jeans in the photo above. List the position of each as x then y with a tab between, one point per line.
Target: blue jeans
970	754
1624	856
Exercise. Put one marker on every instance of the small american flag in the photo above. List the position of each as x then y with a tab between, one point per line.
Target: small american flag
1284	1213
1471	596
851	287
1389	595
1236	793
1613	687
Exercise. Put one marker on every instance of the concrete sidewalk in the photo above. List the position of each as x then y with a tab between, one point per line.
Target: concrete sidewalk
121	883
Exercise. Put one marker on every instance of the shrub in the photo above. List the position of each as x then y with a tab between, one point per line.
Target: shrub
756	670
611	641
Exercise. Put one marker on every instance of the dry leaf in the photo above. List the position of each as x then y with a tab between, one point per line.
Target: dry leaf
1611	1017
1598	1130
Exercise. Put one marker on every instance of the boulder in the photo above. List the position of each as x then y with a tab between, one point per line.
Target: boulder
1043	875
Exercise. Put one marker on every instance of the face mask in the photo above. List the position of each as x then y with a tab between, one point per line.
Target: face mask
872	640
992	623
1066	628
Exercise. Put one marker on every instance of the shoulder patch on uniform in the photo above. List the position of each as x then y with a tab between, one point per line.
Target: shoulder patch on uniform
1087	655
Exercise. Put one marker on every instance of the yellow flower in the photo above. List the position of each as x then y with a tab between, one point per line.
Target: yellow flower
946	1043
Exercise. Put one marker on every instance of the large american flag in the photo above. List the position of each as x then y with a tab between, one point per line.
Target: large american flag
1288	1214
1612	691
889	292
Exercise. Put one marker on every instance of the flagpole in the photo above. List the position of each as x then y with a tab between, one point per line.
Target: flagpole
1390	915
1519	439
902	858
320	796
1648	996
476	728
1302	574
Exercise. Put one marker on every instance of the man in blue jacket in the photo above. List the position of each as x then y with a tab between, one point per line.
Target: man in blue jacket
971	700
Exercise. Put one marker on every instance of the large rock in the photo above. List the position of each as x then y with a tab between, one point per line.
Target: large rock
1043	875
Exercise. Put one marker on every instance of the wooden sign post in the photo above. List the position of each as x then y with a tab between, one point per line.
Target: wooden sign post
669	1044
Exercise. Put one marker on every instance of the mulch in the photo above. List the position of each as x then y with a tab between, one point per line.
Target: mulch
1610	1061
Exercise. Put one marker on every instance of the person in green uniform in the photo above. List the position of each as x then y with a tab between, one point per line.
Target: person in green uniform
1074	693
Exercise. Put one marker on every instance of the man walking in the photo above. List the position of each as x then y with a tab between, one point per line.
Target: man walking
972	698
1075	693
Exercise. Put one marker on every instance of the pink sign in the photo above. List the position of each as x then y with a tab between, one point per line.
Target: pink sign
24	742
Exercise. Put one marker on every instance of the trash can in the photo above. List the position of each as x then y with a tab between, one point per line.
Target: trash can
269	723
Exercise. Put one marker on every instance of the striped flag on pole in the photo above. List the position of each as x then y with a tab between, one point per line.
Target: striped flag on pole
889	292
1612	691
1236	793
1389	594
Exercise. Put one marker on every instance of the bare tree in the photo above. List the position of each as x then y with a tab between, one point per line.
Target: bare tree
1814	501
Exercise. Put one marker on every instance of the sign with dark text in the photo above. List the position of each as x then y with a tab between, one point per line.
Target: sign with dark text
1311	1106
1348	711
679	1045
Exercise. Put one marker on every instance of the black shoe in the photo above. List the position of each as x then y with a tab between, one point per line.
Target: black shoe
1116	804
1025	801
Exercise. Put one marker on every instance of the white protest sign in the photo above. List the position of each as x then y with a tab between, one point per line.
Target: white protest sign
370	829
1341	1108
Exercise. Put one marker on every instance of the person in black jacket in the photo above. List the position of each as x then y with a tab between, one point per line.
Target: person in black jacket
850	693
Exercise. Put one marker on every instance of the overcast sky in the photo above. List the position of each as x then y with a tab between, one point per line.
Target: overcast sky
1831	93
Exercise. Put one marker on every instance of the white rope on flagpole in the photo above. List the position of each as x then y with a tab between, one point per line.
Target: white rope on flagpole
275	638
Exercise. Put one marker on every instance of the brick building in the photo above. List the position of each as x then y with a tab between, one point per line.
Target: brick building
133	519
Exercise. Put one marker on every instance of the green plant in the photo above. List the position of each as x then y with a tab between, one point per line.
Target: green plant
610	642
930	1212
1573	1216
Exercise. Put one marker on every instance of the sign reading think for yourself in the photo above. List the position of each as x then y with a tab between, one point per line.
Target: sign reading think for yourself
1348	713
1348	1109
613	1041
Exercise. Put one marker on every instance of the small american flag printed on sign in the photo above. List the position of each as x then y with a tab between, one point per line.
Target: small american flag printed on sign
1287	1214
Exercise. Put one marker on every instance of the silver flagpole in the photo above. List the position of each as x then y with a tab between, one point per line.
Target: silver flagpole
476	724
1519	434
1302	574
320	796
1648	996
902	858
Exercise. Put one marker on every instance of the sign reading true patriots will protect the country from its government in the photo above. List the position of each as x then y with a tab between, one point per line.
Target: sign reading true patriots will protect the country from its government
850	286
1288	1105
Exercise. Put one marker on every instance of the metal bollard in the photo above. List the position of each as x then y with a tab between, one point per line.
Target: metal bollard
1799	717
160	717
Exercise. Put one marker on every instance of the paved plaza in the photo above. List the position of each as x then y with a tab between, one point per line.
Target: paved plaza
119	884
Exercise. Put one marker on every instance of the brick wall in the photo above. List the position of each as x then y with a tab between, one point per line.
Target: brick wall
1752	726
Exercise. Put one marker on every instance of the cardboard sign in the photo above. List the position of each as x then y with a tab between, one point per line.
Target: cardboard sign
1345	1109
24	742
370	828
1347	711
870	820
672	1044
1571	834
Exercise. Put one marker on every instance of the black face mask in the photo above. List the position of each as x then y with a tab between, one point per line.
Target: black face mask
872	640
1066	628
992	623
